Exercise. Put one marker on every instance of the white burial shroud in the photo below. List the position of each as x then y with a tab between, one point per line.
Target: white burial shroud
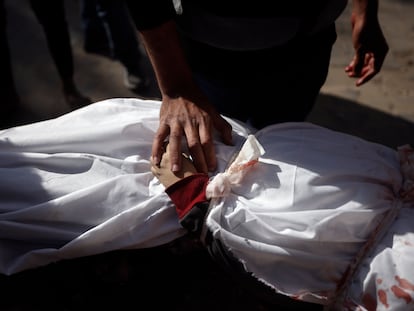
322	216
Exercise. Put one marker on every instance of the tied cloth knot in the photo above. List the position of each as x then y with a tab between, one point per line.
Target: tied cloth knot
221	184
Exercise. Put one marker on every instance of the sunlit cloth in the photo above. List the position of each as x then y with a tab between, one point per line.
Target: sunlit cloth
81	184
309	216
321	216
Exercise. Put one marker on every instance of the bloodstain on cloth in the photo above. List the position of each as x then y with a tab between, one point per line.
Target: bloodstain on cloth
400	291
382	297
404	283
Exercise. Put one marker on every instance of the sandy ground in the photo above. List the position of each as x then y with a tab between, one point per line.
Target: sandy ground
381	111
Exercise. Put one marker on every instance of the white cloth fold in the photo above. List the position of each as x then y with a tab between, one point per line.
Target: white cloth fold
303	214
221	184
81	184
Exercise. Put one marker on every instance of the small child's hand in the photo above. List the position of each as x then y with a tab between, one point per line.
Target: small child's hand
163	170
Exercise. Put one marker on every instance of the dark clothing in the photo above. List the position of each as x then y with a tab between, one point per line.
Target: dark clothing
8	88
51	15
109	31
263	63
148	14
264	87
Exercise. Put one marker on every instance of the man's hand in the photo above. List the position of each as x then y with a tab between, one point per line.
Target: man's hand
163	169
185	110
181	118
368	41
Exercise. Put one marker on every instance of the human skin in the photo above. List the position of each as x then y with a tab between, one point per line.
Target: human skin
186	112
368	40
163	172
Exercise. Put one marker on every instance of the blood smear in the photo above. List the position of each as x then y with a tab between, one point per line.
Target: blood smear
382	296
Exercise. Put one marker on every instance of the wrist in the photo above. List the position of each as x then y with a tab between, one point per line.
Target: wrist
188	192
365	8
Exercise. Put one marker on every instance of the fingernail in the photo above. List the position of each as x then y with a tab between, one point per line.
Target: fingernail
175	168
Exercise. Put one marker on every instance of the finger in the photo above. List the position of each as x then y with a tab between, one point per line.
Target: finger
175	151
369	70
207	140
158	144
156	168
350	68
359	62
207	147
193	130
164	173
187	165
197	153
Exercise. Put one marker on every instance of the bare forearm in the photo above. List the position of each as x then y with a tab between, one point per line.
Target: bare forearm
369	42
368	8
167	57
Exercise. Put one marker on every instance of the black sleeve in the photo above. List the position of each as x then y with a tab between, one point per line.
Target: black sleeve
148	14
193	221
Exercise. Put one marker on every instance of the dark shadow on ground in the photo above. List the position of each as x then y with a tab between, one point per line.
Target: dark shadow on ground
171	277
353	118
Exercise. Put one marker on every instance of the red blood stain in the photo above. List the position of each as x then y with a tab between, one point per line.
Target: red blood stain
404	283
379	281
382	296
400	293
369	302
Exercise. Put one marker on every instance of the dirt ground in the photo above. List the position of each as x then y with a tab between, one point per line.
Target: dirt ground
179	277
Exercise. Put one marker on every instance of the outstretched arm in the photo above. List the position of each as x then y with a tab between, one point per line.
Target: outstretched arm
368	40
